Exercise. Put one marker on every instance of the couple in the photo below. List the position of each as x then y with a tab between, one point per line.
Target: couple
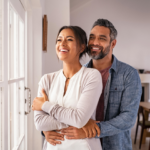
105	89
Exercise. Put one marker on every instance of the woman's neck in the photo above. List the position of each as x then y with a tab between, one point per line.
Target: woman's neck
70	69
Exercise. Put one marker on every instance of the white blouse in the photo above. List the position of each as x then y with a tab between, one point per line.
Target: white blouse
75	108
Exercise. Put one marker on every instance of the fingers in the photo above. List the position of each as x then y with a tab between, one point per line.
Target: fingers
53	133
68	134
54	142
67	131
52	137
55	138
32	107
90	133
44	94
97	121
94	132
71	137
86	132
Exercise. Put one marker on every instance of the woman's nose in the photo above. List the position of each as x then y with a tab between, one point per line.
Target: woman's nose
63	42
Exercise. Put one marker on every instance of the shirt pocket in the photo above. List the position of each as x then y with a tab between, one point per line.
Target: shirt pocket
115	94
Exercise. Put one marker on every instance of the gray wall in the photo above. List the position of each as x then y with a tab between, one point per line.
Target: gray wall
132	20
58	13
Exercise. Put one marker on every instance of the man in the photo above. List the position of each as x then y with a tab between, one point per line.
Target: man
119	102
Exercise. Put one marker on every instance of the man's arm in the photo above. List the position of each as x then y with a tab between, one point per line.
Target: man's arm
128	108
128	112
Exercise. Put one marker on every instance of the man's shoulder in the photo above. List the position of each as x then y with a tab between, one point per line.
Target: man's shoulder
126	72
124	68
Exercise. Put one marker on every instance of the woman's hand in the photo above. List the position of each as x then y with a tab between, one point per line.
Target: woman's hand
39	101
53	137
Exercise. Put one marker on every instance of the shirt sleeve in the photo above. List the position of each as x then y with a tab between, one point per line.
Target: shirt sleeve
43	121
86	105
128	108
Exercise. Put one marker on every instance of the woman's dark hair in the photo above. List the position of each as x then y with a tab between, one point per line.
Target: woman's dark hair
80	37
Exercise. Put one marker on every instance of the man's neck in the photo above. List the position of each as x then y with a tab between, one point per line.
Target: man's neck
102	64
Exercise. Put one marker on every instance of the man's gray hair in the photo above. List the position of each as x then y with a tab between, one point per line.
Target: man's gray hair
107	24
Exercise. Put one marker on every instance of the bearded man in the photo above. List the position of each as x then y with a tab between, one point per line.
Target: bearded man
119	101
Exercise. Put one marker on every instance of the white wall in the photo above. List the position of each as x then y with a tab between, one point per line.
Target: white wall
58	13
46	62
131	19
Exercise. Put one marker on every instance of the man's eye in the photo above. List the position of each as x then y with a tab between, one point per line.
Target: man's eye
58	40
91	37
102	39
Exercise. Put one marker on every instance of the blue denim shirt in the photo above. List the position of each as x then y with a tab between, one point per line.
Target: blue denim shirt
122	96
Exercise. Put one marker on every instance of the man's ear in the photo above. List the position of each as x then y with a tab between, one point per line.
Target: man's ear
113	43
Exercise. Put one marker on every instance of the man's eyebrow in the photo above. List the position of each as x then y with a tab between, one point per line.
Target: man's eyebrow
103	36
91	34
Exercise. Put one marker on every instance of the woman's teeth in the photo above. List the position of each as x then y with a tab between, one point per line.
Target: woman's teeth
64	50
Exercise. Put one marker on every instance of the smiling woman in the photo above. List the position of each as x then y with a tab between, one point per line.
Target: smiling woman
70	95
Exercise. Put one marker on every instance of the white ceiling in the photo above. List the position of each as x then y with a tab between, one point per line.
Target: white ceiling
75	4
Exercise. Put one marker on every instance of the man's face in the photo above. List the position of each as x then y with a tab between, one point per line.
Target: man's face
99	42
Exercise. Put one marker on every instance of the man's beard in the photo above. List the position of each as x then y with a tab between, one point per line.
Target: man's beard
103	52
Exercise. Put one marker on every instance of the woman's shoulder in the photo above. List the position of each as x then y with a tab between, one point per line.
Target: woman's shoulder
90	75
49	76
91	72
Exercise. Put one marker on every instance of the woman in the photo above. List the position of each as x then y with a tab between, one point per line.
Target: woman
73	92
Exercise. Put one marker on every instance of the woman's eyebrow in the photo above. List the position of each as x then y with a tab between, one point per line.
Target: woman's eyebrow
67	36
70	36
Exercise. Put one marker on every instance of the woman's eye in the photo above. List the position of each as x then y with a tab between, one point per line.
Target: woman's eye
58	40
70	40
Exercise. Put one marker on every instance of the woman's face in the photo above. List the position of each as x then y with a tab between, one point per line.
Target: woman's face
66	46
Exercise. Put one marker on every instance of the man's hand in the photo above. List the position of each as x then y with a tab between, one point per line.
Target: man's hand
73	133
39	101
91	129
53	136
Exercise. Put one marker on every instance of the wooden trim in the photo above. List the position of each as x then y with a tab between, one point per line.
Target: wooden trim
45	30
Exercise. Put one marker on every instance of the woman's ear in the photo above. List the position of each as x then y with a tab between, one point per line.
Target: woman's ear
82	48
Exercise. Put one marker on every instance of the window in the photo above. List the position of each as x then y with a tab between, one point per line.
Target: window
1	118
1	94
1	40
16	79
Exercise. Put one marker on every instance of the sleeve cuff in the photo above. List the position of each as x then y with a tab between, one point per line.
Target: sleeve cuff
47	107
99	125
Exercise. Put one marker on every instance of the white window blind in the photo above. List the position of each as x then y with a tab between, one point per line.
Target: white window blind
0	40
1	148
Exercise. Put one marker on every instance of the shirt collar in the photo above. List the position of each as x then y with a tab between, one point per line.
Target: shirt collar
113	66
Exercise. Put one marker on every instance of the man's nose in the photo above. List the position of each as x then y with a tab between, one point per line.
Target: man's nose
96	42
